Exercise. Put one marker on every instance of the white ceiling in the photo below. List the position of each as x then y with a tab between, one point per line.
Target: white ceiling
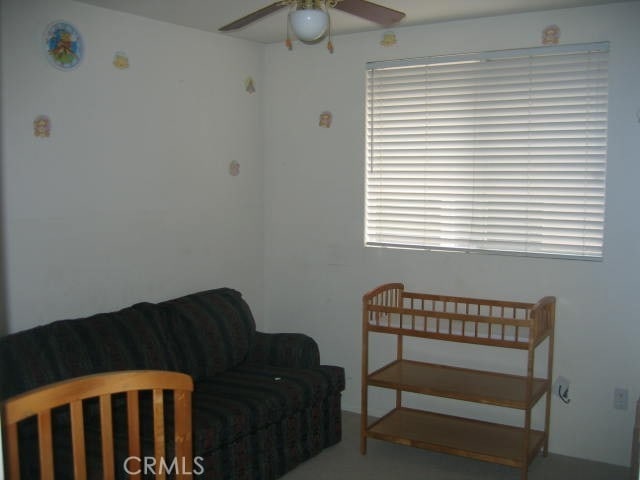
210	15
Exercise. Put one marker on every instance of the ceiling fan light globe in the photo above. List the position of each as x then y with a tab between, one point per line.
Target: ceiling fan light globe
309	25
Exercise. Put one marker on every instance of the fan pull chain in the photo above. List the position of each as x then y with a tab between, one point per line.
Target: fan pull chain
329	42
288	42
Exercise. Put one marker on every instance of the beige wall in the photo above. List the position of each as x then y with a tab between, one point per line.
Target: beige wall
317	268
130	199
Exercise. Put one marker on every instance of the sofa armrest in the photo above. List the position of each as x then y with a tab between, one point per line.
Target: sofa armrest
284	350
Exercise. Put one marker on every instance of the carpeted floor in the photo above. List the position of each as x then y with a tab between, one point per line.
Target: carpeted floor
385	461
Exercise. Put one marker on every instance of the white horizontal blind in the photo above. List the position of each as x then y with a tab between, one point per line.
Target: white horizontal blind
496	152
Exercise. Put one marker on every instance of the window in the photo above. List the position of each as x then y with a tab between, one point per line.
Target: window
493	152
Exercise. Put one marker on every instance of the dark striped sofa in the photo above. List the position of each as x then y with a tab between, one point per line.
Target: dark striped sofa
262	402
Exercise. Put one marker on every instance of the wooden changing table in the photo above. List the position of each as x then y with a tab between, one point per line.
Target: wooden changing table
388	309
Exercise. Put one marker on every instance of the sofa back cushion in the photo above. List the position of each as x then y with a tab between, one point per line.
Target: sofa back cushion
200	334
133	338
210	331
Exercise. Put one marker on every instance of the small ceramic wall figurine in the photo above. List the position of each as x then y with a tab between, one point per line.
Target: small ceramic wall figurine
64	45
325	119
121	61
249	85
234	169
388	39
551	35
42	126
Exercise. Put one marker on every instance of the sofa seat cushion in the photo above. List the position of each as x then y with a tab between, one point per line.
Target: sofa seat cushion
251	396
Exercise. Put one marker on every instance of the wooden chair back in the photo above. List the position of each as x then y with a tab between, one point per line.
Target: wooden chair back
73	392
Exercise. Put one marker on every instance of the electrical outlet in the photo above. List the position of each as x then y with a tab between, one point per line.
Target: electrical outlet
561	389
620	398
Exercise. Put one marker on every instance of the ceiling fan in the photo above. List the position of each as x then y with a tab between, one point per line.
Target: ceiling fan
309	19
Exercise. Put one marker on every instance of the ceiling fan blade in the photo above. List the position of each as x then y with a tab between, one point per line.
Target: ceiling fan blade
370	11
252	17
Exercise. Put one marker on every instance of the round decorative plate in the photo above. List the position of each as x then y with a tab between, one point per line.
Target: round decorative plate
63	45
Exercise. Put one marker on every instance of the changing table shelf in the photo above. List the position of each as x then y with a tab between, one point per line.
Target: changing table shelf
459	436
478	386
